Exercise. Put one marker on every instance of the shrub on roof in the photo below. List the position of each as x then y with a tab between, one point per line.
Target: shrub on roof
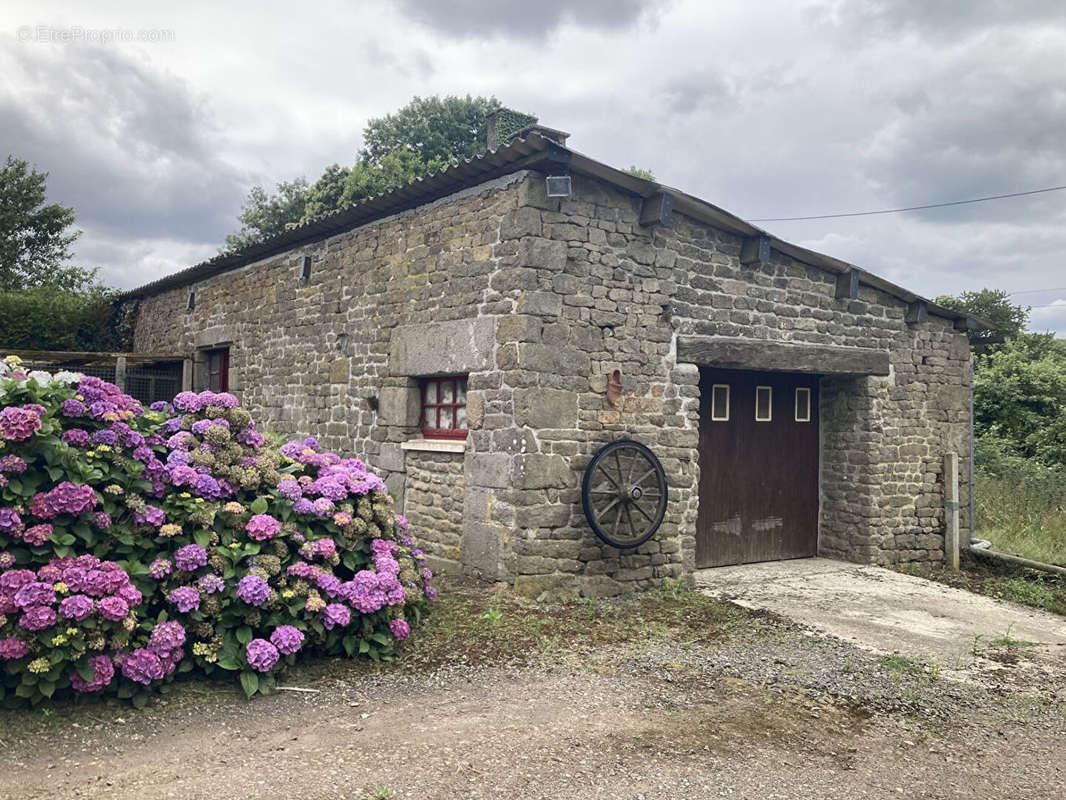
136	545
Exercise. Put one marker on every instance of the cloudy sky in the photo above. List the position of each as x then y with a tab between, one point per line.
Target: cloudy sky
776	109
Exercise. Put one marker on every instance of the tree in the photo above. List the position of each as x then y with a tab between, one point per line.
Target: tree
448	129
994	306
35	236
264	215
423	137
1020	398
326	196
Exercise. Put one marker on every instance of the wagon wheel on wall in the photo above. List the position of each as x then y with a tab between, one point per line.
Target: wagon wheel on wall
624	494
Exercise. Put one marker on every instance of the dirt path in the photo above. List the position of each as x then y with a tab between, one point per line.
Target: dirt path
774	713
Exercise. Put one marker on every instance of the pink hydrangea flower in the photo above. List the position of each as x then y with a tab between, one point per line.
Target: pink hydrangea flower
262	527
261	655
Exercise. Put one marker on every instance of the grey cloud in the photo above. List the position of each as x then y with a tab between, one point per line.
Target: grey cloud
941	19
520	19
131	148
989	123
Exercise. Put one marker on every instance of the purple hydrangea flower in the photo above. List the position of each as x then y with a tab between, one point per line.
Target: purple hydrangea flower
37	535
190	557
323	506
12	465
211	584
113	608
262	527
73	408
18	424
35	594
182	475
105	437
208	488
37	618
303	506
187	402
165	638
261	655
143	666
324	548
290	489
150	516
336	614
159	569
287	639
12	648
75	437
253	590
10	522
76	607
185	598
103	673
159	405
12	580
400	629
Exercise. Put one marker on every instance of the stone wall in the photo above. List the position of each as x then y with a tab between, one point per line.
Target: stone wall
538	300
433	504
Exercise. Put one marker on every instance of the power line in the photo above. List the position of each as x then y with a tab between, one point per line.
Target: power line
1037	291
912	208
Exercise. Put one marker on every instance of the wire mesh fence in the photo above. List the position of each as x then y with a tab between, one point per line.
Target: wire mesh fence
147	379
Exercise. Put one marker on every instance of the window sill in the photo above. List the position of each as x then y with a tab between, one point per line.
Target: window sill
436	445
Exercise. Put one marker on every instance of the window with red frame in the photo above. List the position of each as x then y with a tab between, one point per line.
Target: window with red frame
218	369
444	408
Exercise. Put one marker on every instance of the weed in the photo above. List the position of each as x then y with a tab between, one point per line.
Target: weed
379	793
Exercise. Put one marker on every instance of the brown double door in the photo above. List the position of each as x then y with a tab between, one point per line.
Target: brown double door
758	467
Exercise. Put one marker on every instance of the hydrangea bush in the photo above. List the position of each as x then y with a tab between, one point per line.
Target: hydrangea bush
137	544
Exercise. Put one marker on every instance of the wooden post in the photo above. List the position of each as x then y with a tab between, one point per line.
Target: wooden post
951	509
186	374
120	372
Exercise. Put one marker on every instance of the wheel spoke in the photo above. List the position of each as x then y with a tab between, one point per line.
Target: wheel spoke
629	519
607	475
600	514
640	480
618	463
645	513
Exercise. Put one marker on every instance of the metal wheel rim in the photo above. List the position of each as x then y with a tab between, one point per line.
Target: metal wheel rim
624	494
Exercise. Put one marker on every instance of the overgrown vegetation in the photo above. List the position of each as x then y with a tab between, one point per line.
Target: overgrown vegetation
1020	430
1027	587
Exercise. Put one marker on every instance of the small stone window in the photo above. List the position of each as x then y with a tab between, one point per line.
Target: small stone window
217	369
720	402
190	304
305	269
764	397
803	404
444	408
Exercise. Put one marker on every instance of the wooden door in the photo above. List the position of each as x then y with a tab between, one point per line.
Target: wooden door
758	467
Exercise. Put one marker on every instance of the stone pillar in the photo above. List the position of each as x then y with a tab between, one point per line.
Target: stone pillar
186	374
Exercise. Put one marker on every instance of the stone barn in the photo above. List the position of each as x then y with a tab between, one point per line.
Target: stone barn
479	335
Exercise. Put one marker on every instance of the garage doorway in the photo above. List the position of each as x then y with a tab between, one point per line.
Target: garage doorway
758	467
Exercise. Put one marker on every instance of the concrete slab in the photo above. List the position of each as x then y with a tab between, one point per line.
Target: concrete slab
885	611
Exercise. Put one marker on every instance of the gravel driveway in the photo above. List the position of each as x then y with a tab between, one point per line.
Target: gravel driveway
770	711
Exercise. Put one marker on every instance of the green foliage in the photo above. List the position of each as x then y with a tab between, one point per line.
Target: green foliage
1020	399
509	121
265	215
35	238
50	318
994	306
637	172
423	137
447	129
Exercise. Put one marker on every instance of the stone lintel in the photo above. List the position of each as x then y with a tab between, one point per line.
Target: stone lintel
455	347
737	353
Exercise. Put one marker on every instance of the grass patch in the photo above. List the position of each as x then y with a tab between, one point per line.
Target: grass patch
473	625
1024	514
1016	584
